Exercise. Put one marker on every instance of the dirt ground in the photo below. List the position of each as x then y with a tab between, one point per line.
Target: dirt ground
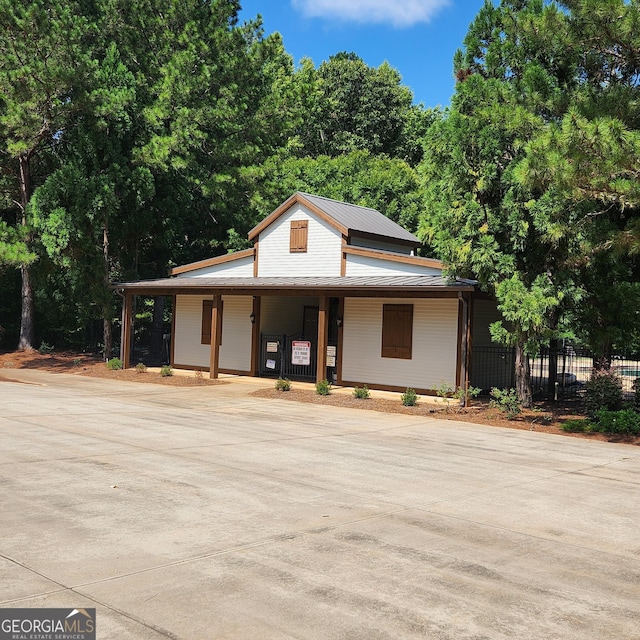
545	417
89	365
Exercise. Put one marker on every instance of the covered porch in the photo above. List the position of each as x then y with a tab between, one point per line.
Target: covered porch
295	327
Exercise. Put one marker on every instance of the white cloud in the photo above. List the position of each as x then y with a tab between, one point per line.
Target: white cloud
399	13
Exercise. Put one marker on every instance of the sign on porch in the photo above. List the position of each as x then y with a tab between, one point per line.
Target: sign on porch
301	352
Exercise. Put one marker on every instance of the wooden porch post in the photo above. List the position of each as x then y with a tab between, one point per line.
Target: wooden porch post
216	335
255	337
465	347
323	338
125	338
470	314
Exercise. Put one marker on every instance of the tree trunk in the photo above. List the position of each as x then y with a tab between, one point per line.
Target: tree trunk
107	329
603	355
157	331
523	376
26	318
27	326
107	336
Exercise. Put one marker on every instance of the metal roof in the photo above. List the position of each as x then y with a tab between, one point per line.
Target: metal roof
348	218
352	285
360	219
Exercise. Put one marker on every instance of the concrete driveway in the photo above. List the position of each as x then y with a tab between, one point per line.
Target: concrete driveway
203	513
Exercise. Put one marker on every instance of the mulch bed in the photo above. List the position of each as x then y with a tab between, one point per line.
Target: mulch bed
89	365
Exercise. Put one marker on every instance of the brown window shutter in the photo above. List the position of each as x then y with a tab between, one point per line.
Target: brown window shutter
207	306
206	322
397	331
298	236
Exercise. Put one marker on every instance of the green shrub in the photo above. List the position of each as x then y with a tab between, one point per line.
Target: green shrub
577	426
409	398
444	390
636	394
361	392
323	388
623	422
45	348
141	367
114	364
507	401
603	391
166	371
77	362
283	384
472	392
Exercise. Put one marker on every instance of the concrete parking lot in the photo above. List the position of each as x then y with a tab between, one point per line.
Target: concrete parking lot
204	513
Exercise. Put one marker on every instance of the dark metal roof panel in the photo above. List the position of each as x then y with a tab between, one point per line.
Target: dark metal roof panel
362	219
329	283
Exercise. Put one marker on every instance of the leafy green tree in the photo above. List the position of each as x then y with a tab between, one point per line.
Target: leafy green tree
159	161
14	251
531	177
348	106
588	157
41	62
221	103
606	313
480	219
591	151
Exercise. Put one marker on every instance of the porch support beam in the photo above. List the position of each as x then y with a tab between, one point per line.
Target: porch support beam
255	337
464	346
323	338
127	326
216	336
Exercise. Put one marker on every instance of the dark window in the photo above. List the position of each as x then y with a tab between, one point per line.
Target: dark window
298	237
397	330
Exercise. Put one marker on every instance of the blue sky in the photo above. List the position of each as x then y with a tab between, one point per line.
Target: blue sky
417	37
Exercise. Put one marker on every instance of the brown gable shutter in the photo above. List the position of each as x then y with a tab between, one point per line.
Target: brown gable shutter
397	331
298	236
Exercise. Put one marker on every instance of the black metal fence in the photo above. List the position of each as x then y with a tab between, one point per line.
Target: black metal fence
276	358
494	367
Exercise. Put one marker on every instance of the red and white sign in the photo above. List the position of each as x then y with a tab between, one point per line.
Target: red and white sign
301	352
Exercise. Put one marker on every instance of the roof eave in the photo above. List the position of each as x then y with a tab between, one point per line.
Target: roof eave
183	288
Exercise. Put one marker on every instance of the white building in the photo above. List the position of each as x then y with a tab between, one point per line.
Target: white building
329	290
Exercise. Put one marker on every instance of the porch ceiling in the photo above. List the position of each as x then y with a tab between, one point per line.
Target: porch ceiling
363	286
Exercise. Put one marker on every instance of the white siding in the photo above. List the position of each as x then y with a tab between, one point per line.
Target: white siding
324	248
241	268
283	314
434	352
187	350
235	351
368	266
